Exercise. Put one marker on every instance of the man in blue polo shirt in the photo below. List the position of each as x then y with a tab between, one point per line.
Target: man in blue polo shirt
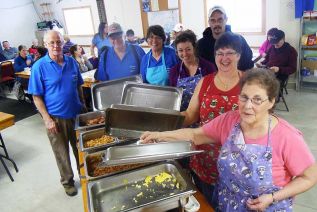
55	84
121	60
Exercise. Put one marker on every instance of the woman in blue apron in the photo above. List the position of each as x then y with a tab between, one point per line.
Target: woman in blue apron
259	166
156	64
191	69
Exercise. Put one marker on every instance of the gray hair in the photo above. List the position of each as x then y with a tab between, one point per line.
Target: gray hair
50	32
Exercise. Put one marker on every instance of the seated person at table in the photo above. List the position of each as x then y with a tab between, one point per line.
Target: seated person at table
281	57
33	48
41	52
67	45
82	60
156	64
131	38
9	52
23	60
121	60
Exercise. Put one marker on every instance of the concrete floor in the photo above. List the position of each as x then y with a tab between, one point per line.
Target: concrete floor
36	187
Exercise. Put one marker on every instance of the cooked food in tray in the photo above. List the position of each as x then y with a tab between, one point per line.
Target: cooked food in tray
94	170
98	120
105	139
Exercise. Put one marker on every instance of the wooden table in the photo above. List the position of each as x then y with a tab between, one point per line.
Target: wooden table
6	120
26	75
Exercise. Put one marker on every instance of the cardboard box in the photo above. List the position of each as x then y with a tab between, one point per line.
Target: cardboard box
311	65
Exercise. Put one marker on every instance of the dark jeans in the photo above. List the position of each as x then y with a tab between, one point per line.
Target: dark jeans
209	191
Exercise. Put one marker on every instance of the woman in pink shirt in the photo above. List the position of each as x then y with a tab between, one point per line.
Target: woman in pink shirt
266	44
264	161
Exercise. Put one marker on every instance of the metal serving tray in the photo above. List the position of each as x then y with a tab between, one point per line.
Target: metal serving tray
145	95
93	134
120	193
82	118
145	109
132	123
107	93
97	155
148	152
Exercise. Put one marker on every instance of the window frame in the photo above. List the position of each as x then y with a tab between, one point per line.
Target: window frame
263	27
91	18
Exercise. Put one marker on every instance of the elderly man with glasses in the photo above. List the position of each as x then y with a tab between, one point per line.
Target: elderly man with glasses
217	20
55	84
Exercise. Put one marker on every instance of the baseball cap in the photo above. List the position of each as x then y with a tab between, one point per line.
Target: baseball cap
216	8
277	36
114	28
178	27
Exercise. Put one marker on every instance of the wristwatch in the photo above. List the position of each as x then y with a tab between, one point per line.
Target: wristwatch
274	199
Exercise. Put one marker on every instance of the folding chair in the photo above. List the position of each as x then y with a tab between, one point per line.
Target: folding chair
7	75
6	156
283	85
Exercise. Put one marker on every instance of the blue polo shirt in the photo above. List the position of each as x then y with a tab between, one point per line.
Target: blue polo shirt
100	42
170	61
116	68
58	86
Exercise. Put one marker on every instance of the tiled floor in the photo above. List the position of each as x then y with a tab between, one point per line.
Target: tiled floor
36	187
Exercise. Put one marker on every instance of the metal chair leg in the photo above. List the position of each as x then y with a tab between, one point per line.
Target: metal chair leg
6	168
282	96
3	146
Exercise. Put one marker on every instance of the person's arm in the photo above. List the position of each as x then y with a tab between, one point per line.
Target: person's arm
143	67
297	186
195	135
192	112
87	63
291	67
92	50
50	124
82	99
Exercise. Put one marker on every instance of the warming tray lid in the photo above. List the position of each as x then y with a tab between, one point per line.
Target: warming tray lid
132	122
145	95
106	93
148	152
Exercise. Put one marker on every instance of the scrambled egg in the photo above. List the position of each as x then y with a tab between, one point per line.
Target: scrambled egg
163	177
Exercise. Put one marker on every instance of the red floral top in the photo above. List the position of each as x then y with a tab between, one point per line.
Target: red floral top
213	102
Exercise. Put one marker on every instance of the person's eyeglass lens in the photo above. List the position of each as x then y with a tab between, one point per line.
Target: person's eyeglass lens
227	54
57	43
254	100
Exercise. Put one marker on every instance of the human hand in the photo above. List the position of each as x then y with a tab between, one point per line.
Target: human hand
51	125
275	69
150	137
28	62
260	203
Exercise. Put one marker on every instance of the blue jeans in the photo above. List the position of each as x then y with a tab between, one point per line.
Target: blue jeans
209	191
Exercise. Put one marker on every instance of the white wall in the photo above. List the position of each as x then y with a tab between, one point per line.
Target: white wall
22	24
18	22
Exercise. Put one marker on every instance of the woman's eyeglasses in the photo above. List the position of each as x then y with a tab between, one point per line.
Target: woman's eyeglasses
227	54
254	100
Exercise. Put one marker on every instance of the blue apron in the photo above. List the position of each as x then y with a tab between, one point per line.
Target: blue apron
157	75
188	84
245	171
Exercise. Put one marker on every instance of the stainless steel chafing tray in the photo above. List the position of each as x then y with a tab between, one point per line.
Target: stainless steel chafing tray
145	95
94	171
106	93
132	123
93	134
81	120
128	192
148	152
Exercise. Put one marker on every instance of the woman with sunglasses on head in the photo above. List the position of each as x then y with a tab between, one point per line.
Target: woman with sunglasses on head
259	166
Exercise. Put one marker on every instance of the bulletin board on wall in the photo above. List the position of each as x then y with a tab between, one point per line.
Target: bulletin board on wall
166	13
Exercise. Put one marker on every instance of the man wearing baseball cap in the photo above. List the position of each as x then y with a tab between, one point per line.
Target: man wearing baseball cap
281	57
217	19
121	60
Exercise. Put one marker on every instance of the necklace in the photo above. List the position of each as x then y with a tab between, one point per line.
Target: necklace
225	85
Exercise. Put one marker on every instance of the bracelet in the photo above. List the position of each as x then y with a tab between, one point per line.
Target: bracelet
274	200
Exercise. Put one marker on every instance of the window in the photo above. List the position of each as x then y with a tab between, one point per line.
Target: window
79	21
241	18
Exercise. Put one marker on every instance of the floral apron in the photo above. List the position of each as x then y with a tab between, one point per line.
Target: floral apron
157	75
188	84
245	171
